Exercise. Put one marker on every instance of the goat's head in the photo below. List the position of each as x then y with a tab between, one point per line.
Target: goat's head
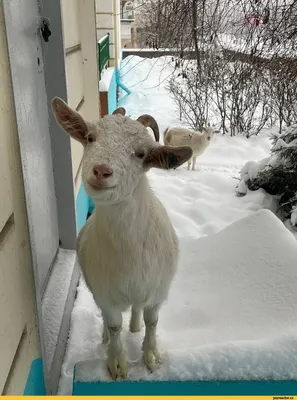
117	151
209	132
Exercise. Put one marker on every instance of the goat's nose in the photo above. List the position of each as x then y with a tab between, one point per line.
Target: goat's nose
102	171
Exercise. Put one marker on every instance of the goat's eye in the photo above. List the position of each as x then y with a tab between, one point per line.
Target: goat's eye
90	139
140	154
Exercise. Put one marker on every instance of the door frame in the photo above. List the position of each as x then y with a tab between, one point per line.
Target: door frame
46	64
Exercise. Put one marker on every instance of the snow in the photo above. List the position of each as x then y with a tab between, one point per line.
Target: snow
269	358
280	144
238	360
250	171
230	319
54	301
231	309
106	79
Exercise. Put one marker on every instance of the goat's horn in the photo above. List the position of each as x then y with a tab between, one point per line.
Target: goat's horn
120	111
150	122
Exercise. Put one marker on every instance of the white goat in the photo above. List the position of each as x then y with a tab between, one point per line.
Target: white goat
198	141
128	249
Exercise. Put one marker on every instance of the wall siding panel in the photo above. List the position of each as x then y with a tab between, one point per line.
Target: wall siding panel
19	343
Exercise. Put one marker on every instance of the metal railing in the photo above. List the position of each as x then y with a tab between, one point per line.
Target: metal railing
103	54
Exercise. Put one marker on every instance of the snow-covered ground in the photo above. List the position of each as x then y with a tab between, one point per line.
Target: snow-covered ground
231	309
200	203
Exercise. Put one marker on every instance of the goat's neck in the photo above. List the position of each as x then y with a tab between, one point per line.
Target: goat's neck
129	215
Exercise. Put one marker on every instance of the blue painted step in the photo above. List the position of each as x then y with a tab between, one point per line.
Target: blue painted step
35	383
186	388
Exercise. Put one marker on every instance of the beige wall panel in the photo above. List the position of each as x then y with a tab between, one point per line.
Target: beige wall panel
5	180
105	20
117	18
13	318
22	363
112	51
103	32
82	76
91	107
104	6
17	294
70	11
74	76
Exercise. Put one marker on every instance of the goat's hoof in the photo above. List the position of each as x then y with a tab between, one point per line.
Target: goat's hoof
150	358
117	367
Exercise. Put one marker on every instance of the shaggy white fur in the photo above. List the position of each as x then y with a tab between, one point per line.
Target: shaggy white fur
128	249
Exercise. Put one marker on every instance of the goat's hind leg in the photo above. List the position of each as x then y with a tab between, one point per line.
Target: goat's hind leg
189	164
105	333
150	349
116	358
194	163
135	321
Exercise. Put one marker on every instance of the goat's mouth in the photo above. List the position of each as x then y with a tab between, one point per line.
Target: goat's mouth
97	185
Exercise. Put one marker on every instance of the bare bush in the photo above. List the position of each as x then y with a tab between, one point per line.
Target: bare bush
191	94
235	61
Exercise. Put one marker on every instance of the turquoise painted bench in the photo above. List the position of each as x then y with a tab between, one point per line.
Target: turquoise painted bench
187	388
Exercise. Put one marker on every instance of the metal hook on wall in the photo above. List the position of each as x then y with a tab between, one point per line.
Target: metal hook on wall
44	27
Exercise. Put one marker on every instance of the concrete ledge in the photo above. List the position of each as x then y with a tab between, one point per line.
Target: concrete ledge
57	305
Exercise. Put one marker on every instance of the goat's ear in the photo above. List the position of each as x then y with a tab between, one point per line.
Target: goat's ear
70	120
168	157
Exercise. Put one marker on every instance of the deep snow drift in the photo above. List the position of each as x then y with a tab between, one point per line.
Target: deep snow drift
200	203
231	310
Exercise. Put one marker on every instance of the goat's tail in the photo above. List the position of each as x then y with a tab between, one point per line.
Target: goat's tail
165	134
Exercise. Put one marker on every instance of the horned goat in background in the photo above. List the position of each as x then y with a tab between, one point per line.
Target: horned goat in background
128	249
198	141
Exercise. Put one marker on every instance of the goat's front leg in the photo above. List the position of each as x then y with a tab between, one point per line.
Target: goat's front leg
150	349
194	163
135	321
189	164
105	334
116	357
